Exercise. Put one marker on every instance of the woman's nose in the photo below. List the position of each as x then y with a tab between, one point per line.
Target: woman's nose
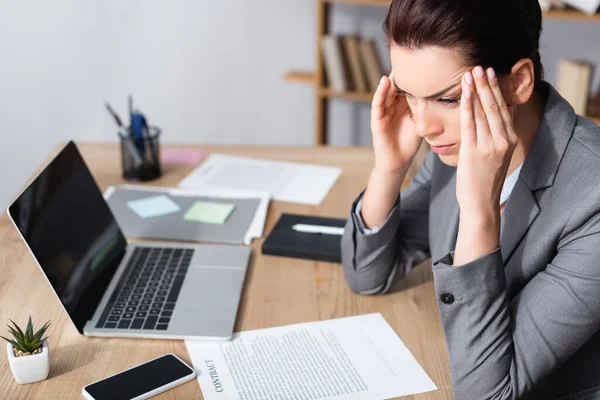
427	123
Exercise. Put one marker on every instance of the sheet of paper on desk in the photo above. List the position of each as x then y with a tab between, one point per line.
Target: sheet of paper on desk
347	358
292	182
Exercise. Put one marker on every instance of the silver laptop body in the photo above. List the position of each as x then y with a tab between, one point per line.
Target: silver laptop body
112	288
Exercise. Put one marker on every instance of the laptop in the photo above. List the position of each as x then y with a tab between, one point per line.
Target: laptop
112	288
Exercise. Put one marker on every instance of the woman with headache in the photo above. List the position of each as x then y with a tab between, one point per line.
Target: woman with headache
506	203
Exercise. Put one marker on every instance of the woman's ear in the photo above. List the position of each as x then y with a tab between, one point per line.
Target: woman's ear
522	81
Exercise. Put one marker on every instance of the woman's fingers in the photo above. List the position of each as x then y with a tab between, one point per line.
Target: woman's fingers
505	110
490	106
378	104
468	130
390	94
486	118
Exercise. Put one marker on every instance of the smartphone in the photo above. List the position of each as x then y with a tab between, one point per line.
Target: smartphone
142	381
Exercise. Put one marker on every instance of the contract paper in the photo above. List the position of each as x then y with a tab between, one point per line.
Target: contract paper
357	358
291	182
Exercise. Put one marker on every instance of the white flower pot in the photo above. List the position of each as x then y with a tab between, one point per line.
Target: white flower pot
28	369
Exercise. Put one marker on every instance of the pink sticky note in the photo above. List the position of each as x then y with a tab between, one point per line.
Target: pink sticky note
181	156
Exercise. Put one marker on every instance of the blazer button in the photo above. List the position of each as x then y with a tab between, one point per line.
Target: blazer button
447	298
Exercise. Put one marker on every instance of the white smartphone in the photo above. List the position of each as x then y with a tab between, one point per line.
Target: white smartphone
142	381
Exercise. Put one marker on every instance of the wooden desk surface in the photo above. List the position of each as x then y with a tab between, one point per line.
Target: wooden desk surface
278	291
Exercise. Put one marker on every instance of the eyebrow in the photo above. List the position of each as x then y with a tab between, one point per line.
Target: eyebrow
433	96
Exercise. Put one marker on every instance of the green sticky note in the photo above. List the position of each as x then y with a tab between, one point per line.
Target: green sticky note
209	212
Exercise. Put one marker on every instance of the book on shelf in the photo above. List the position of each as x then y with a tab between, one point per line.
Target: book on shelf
371	63
574	83
333	61
353	60
548	5
593	109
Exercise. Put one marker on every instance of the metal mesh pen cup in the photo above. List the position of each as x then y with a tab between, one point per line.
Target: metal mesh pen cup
140	156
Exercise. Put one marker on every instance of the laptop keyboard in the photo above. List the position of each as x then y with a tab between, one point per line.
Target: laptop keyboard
145	299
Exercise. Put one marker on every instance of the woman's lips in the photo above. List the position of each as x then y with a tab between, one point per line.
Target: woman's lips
442	149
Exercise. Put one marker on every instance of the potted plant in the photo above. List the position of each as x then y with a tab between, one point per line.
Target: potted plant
28	353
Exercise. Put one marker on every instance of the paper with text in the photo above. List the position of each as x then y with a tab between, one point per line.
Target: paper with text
357	358
292	182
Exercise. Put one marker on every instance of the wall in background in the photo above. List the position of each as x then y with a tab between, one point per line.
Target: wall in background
210	71
205	72
49	83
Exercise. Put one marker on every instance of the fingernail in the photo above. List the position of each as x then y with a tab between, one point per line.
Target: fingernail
491	73
382	79
467	93
469	78
479	72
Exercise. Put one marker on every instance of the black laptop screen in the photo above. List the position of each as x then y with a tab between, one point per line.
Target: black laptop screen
71	232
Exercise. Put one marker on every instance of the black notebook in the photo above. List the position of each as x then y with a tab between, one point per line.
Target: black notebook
286	242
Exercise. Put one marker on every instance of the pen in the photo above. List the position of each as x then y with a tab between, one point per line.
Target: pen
130	103
114	114
151	143
137	130
325	230
137	158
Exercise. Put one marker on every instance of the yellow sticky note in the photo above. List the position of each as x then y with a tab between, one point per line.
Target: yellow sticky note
209	212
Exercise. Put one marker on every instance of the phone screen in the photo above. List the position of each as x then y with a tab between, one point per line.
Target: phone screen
139	380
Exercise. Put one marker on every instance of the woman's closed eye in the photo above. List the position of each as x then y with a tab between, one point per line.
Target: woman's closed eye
450	102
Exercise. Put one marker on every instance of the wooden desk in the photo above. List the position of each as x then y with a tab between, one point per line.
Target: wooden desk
278	291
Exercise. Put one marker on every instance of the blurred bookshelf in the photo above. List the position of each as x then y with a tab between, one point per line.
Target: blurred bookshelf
317	79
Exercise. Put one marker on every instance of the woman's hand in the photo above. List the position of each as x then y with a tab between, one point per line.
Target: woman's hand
488	140
395	140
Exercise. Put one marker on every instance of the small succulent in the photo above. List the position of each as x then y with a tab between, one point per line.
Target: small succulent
27	341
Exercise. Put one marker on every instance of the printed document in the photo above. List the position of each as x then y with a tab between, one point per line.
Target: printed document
358	358
292	182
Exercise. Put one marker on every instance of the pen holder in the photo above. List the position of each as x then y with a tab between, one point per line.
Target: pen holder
140	156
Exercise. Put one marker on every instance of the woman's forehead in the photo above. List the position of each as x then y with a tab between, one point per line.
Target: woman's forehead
425	71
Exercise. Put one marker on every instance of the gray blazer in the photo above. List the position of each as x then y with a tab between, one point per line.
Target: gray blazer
522	321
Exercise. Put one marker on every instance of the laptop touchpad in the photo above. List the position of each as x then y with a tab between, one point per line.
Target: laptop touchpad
209	299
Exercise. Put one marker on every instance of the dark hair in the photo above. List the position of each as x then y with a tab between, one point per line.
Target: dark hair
494	34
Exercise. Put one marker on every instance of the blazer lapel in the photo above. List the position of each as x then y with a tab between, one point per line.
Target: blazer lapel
519	213
443	221
538	171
